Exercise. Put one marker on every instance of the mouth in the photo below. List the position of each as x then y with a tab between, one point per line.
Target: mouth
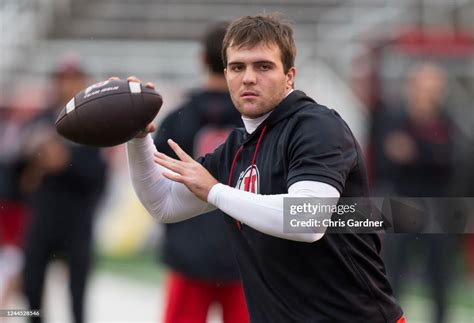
248	95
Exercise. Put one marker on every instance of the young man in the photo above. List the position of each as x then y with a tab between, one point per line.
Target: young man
291	146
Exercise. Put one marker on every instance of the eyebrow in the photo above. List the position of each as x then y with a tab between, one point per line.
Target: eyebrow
253	63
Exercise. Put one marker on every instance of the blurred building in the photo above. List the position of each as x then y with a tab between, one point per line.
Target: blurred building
157	40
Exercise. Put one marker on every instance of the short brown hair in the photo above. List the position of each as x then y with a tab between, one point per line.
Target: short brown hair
248	31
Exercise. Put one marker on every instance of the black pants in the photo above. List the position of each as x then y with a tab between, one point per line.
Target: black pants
45	244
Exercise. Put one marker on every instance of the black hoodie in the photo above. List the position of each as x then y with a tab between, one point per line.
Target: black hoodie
199	247
339	278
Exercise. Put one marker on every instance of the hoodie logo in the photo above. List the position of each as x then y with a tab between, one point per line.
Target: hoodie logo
245	183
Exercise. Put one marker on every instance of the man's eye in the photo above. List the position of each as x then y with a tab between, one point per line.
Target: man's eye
236	68
264	67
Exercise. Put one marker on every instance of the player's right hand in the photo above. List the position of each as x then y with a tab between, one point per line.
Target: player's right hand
149	127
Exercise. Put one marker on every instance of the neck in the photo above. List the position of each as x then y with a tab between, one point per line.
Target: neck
252	124
216	82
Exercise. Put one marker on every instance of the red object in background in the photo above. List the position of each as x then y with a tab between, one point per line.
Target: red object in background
437	42
188	300
402	320
413	43
470	254
13	221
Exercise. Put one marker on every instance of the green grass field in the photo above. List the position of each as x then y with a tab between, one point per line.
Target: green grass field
142	267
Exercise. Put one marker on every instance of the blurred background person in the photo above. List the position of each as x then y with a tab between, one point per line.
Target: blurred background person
463	186
64	183
418	147
203	271
419	144
13	210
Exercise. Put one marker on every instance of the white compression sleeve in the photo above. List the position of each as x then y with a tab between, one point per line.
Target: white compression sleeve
165	200
265	212
170	202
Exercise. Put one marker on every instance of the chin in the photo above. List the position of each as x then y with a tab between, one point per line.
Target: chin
254	114
252	110
249	111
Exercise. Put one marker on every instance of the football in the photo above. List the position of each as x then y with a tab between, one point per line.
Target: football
108	113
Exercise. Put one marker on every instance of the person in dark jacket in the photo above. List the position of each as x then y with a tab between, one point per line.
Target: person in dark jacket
64	183
202	270
419	148
14	214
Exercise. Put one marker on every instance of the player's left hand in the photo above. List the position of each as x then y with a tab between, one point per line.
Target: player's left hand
186	171
149	128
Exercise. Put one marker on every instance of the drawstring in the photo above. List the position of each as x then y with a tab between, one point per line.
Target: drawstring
254	158
233	165
255	155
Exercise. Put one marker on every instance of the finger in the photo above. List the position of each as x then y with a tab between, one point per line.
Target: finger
150	128
174	177
114	78
169	163
133	79
150	85
156	161
169	160
179	152
163	156
169	166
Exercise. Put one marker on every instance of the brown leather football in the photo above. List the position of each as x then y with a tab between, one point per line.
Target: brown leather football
108	113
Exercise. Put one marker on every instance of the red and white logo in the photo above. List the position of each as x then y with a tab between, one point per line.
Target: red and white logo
247	183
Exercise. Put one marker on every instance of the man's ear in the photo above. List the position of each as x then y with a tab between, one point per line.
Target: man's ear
290	77
225	73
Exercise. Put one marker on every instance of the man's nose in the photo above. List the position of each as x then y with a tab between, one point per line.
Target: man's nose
250	77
